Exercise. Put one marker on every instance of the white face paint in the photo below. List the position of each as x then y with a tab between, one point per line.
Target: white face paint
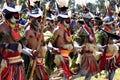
13	20
66	24
36	22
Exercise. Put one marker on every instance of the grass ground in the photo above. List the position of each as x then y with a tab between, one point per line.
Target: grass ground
101	77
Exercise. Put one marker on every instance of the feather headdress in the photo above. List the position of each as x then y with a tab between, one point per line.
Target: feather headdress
97	10
107	4
117	9
47	6
62	4
11	6
32	4
82	3
63	9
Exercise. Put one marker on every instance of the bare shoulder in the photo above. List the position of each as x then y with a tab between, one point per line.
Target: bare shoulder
56	31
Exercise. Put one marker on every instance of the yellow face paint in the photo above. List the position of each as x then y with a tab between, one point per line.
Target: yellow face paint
12	25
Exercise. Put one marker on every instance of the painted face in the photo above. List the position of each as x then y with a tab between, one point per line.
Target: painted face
67	22
36	22
39	19
52	24
16	15
13	20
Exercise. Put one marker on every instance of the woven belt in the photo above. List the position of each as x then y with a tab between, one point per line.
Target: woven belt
108	55
39	60
64	52
15	59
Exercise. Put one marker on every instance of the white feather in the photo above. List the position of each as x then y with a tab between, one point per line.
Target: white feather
50	45
116	9
76	45
69	13
119	9
32	3
79	58
82	3
48	3
62	3
107	3
53	17
34	0
97	10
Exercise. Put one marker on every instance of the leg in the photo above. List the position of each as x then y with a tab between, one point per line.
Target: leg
88	77
111	74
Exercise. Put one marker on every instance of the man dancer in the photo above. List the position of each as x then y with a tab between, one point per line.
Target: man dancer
10	48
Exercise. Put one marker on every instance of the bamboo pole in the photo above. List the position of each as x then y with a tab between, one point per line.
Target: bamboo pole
38	47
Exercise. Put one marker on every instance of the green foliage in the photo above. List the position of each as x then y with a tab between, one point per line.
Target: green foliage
21	1
91	6
49	60
101	36
100	4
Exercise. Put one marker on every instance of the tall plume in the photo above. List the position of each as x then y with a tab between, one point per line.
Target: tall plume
82	3
107	4
62	5
108	9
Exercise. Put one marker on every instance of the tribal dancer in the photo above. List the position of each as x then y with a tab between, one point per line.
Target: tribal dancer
10	48
63	41
32	35
87	63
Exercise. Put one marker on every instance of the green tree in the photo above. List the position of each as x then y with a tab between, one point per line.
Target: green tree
91	6
100	4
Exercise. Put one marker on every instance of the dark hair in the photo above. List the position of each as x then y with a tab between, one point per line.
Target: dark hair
99	21
119	14
7	14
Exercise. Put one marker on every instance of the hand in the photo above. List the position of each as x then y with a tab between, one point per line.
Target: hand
83	46
104	46
35	54
49	48
56	50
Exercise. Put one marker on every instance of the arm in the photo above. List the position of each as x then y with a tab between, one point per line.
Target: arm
1	53
55	37
1	30
116	48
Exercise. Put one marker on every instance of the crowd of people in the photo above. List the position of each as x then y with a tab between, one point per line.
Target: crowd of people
43	44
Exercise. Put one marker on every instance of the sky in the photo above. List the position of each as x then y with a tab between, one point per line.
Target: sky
92	1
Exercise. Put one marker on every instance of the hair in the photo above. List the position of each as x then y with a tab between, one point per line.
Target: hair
119	14
99	21
7	14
